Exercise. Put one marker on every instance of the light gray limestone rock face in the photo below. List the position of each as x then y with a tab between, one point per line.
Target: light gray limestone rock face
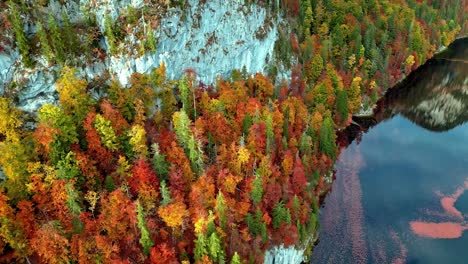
282	255
212	39
8	59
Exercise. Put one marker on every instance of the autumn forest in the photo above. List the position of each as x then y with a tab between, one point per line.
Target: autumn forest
171	171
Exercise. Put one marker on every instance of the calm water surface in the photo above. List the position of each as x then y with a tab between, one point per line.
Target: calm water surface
399	194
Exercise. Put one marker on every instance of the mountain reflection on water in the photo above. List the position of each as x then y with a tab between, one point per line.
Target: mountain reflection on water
399	194
434	97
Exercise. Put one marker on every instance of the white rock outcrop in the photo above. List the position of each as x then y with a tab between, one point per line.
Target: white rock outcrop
212	39
282	255
8	59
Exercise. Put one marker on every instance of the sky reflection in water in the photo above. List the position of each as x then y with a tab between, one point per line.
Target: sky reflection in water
398	193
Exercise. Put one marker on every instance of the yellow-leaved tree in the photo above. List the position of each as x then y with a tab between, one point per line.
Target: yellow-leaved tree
10	120
15	150
138	140
107	134
73	97
354	95
173	214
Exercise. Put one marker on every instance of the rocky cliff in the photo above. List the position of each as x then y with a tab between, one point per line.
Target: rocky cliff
211	39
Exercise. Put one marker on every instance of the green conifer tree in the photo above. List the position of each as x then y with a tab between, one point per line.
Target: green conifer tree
200	246
110	37
145	239
216	251
342	104
165	194
286	114
257	190
110	185
181	124
69	36
327	138
247	122
235	259
185	95
195	154
21	38
72	199
44	42
67	168
150	42
57	41
160	165
221	210
280	215
270	134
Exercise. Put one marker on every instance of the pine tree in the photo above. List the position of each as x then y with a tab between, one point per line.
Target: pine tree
21	38
327	138
305	145
110	185
67	168
150	42
160	165
220	209
195	154
256	225
45	46
264	232
110	37
57	41
145	239
280	215
269	133
246	124
286	122
187	140
257	189
181	123
69	36
200	246
216	251
235	259
72	199
185	95
165	194
296	206
342	104
306	17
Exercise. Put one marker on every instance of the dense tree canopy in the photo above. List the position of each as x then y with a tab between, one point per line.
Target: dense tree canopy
166	171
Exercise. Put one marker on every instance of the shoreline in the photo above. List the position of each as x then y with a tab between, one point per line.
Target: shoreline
367	114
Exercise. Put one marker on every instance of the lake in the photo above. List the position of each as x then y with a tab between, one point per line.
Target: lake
401	188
